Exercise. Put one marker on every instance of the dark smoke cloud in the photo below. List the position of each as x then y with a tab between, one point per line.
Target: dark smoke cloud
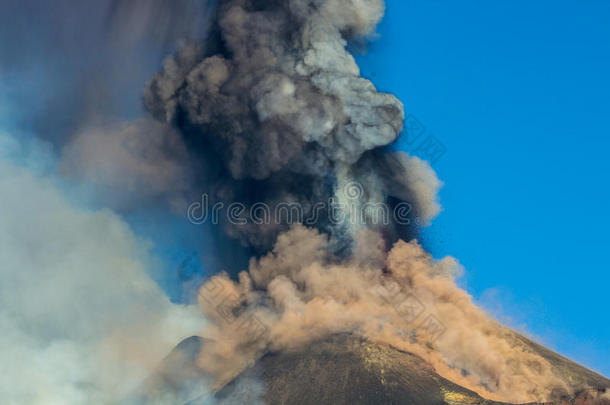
274	104
72	73
66	63
158	22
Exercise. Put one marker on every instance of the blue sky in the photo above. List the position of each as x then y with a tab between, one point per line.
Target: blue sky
517	92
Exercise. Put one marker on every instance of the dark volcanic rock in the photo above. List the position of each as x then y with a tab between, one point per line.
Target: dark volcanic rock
578	377
344	370
177	380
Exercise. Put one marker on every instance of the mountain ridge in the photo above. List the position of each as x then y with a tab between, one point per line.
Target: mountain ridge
344	369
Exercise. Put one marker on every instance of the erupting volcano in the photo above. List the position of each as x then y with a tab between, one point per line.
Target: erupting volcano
274	109
262	125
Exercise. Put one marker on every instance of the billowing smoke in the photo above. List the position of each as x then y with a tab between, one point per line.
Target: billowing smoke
68	63
403	297
72	72
274	106
82	320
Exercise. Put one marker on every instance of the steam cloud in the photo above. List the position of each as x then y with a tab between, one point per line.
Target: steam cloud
82	321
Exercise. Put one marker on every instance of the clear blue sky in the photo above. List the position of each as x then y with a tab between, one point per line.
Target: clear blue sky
518	92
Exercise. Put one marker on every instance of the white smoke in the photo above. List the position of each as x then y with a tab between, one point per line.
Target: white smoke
82	322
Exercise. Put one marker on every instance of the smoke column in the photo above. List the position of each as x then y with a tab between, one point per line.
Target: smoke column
273	108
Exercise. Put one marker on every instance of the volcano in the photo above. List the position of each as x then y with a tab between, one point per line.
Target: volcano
332	309
343	369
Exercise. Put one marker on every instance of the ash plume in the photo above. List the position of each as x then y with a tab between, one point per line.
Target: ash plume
293	291
273	106
72	72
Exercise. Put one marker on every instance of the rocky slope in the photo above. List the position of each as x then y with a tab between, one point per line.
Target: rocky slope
343	370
